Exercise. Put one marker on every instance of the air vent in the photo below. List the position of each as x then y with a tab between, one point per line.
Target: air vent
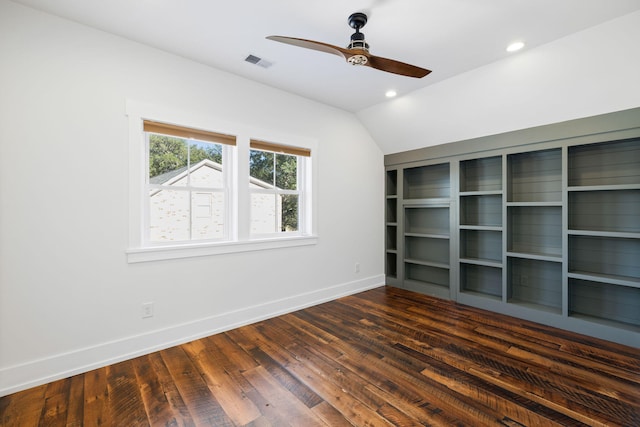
258	61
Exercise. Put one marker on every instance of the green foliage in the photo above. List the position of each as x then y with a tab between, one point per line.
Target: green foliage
167	153
286	172
283	170
261	165
289	213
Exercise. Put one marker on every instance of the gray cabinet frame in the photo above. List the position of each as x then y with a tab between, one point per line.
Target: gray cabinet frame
528	212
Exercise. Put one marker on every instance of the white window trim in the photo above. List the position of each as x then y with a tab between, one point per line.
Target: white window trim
238	228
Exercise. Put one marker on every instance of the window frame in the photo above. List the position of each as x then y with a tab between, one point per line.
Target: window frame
239	238
303	158
225	190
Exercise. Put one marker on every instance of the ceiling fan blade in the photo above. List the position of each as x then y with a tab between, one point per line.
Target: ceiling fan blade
310	44
358	54
396	67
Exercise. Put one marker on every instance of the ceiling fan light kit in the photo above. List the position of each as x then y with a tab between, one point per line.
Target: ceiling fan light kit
357	21
357	52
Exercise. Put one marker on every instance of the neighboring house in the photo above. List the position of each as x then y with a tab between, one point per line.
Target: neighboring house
199	214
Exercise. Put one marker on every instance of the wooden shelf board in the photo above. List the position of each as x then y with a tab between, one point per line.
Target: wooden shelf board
427	203
481	295
529	204
604	187
593	233
482	262
481	227
428	288
632	282
539	257
534	306
481	193
605	322
427	263
428	235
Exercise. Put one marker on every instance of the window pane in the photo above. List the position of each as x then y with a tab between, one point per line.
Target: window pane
167	160
205	164
286	172
289	212
263	213
261	166
207	215
169	216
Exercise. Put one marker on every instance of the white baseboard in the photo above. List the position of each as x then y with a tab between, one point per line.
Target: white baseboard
42	371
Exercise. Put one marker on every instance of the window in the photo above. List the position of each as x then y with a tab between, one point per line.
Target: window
191	190
186	185
276	179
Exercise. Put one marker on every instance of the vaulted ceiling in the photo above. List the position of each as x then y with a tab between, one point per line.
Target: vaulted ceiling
449	37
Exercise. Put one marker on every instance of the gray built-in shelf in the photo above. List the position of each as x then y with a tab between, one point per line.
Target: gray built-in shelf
480	227
391	225
422	259
542	224
604	232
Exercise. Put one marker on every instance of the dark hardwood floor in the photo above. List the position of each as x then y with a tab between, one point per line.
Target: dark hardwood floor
378	358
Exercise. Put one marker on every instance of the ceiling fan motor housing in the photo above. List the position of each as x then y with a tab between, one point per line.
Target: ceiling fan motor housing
357	21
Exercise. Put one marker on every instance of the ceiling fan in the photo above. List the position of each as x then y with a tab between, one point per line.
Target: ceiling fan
357	52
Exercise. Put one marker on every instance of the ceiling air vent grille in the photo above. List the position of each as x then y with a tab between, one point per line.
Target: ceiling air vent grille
258	61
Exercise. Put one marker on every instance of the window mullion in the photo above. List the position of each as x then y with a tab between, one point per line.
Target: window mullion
190	204
243	190
230	184
302	194
188	162
278	214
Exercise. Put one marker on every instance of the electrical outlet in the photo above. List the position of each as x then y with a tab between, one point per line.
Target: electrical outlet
357	267
147	309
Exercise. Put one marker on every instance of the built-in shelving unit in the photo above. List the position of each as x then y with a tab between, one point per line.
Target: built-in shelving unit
480	227
542	224
391	224
426	229
534	229
604	232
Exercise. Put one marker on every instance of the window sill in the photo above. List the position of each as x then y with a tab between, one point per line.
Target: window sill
136	255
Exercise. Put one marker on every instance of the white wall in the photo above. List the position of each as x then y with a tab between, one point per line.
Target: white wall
588	73
69	301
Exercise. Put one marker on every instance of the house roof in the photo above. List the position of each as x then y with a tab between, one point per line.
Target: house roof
168	178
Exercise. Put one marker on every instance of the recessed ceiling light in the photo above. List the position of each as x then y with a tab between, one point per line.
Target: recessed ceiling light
391	94
515	46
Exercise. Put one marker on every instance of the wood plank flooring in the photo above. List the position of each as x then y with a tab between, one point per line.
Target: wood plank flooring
379	358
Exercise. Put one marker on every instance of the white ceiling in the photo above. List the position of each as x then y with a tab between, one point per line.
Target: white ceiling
447	36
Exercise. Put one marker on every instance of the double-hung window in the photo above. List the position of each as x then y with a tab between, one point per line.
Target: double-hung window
277	189
197	192
187	197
